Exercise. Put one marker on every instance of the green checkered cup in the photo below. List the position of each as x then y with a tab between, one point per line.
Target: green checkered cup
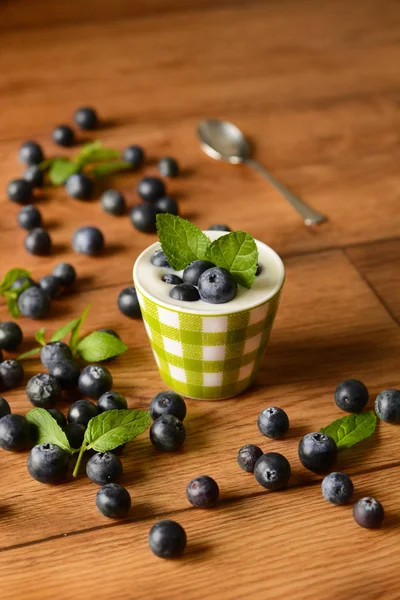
209	351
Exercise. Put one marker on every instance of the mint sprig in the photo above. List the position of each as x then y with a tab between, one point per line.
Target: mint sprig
48	430
351	429
10	295
181	241
237	253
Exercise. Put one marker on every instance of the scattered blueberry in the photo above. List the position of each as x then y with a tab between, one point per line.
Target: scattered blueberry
128	303
202	492
219	227
258	270
48	463
112	401
143	217
19	191
113	501
104	467
273	422
14	433
79	186
158	259
272	471
58	416
133	155
34	176
248	456
10	335
185	292
167	433
168	167
151	189
55	352
171	279
50	285
167	539
88	240
81	412
65	273
86	118
29	217
168	403
217	286
75	434
193	271
43	390
4	408
317	452
34	303
11	374
94	381
387	405
351	395
22	283
30	153
38	242
63	135
113	202
367	512
166	204
66	372
337	488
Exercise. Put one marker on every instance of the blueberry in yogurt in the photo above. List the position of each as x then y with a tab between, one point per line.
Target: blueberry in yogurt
193	271
185	292
171	279
158	259
217	286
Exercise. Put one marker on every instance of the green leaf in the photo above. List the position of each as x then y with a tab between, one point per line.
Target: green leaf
181	241
99	345
237	252
49	431
87	150
351	429
29	353
104	169
95	152
11	276
63	331
73	342
39	337
61	169
46	164
113	428
12	307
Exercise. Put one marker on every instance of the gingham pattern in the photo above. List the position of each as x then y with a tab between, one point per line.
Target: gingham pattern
208	357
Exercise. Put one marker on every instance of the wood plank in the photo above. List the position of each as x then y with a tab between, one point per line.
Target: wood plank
285	544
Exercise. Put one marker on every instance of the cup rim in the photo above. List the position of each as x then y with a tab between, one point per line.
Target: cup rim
180	309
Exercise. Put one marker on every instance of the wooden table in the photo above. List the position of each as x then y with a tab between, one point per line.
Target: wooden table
316	85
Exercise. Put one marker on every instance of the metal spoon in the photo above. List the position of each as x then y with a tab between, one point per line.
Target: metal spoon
224	141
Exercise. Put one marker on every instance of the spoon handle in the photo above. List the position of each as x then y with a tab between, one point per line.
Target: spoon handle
310	216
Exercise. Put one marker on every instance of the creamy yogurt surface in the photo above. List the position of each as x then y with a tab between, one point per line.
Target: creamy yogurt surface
147	279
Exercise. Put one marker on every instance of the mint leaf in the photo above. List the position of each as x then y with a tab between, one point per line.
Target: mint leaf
113	428
29	353
61	169
351	429
11	276
12	307
99	345
39	337
73	342
237	252
49	431
86	151
95	152
181	241
65	330
45	164
106	168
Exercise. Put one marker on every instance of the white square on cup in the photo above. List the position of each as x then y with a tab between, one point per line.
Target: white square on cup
172	346
148	329
177	373
168	317
214	352
252	343
212	379
258	314
215	324
245	371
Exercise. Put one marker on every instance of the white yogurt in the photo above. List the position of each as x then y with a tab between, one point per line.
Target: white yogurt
147	279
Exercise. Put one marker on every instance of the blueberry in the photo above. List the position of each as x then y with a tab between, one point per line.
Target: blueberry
128	303
63	135
167	433
317	452
30	153
58	416
185	292
48	463
337	488
54	352
34	176
217	286
50	285
79	186
143	218
29	217
158	259
193	271
111	401
248	456
43	390
219	227
171	279
168	167
65	273
4	408
38	242
75	434
387	405
151	189
94	381
133	155
258	270
113	501
86	118
66	372
34	303
166	204
167	539
19	191
110	332
367	512
351	395
273	422
202	492
22	283
81	411
14	433
113	202
10	335
104	467
272	471
88	240
11	374
168	403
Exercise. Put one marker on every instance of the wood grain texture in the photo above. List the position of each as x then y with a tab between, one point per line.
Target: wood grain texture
315	85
